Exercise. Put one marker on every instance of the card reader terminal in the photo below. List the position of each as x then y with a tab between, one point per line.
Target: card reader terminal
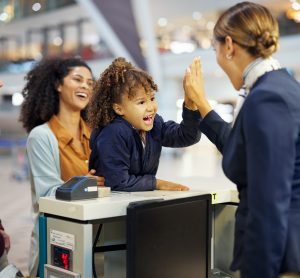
77	188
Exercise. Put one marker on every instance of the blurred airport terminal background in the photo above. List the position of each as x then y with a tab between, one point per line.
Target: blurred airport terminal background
160	36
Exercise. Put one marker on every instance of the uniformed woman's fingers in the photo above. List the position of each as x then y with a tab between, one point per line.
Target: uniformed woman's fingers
193	68
199	66
187	77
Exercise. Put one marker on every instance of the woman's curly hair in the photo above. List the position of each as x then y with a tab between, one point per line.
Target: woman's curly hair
41	98
121	78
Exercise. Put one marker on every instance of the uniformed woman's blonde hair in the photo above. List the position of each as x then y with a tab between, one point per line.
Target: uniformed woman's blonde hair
251	26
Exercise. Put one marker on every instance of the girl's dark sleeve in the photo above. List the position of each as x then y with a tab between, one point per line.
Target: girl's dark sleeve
184	134
114	163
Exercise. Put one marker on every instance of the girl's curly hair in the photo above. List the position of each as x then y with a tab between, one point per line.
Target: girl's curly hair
41	98
119	79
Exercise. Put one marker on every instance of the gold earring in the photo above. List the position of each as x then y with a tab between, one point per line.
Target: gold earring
228	56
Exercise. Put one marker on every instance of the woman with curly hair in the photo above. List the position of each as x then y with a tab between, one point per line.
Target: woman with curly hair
53	112
129	135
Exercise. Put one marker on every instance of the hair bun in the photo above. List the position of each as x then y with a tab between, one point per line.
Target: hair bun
266	44
267	40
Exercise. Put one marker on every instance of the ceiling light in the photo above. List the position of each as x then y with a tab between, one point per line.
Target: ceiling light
197	15
3	17
36	6
57	41
205	43
210	25
162	22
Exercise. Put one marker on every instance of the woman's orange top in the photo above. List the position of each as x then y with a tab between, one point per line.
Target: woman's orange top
73	160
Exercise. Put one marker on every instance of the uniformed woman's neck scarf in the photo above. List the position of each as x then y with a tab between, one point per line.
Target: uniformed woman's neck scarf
252	72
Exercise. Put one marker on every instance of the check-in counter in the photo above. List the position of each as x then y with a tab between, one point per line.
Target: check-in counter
69	225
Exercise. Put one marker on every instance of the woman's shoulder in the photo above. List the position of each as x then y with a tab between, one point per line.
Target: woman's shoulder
41	132
275	91
277	84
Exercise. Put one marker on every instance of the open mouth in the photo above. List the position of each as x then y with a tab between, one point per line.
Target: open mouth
82	95
148	119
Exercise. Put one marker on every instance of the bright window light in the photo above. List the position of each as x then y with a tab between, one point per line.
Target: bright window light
179	102
296	6
182	47
17	99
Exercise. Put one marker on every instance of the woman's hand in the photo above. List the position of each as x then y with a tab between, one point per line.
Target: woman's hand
193	85
168	185
6	240
100	180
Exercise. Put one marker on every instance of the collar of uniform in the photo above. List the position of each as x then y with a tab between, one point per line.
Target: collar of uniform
256	69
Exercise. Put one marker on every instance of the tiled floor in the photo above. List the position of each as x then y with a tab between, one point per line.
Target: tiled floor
200	160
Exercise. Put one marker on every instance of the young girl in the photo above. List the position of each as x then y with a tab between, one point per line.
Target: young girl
128	135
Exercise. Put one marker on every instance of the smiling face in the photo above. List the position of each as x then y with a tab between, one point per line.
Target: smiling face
139	110
76	89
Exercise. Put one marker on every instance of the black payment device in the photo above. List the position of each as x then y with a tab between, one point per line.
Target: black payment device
77	188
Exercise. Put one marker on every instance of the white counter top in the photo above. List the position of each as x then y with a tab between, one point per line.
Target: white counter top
116	204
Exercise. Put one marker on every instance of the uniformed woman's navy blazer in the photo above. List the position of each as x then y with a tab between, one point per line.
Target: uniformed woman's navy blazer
261	155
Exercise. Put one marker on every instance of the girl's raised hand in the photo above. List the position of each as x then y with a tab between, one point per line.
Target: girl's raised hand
193	85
